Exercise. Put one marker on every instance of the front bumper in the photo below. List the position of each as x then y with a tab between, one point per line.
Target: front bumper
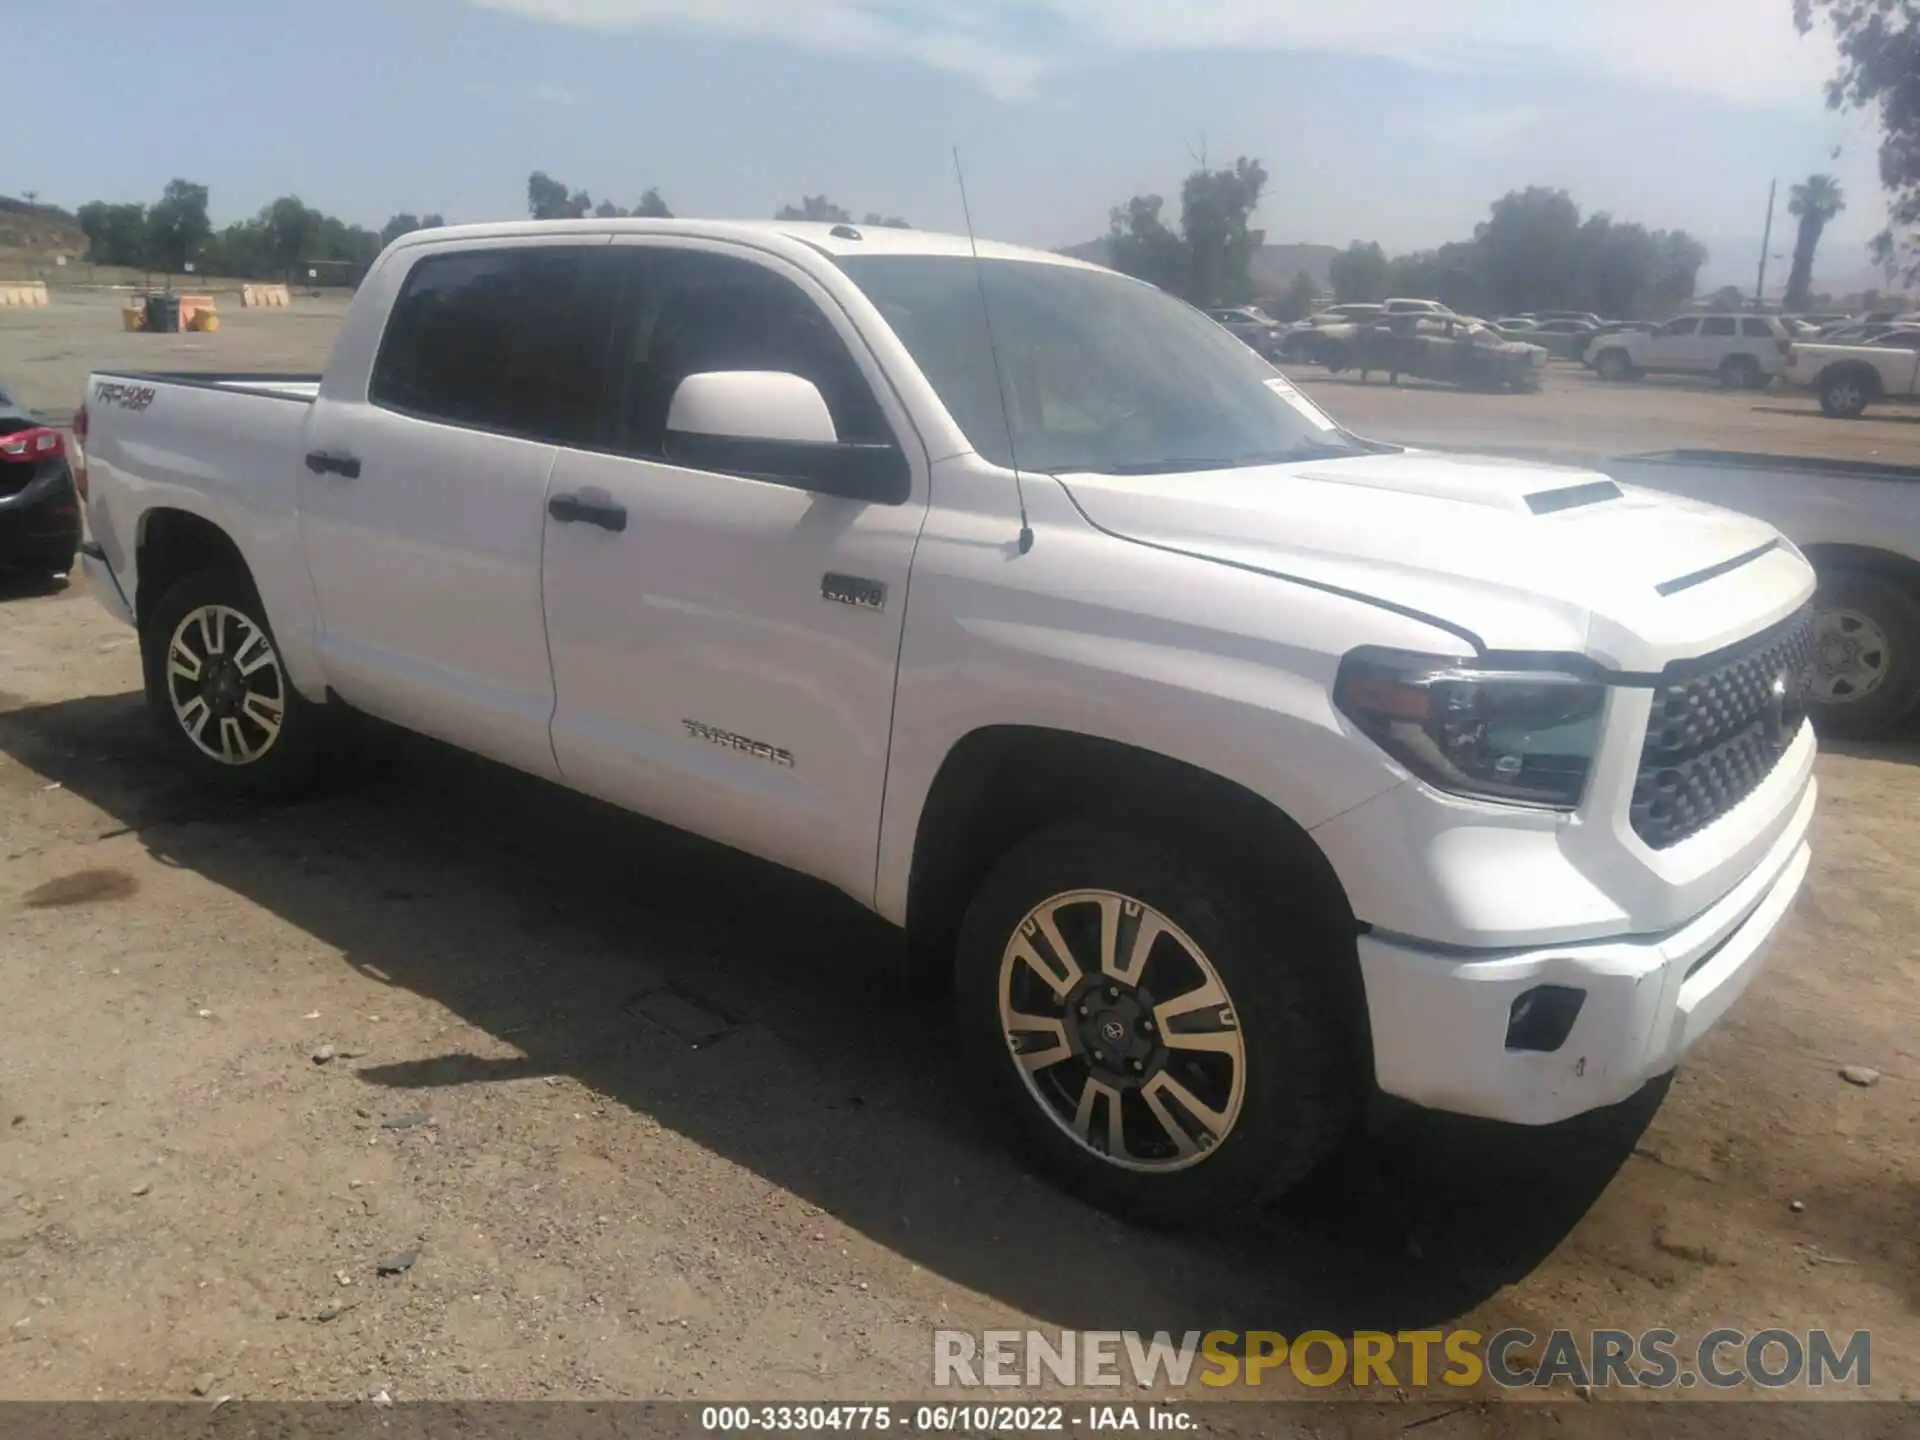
104	585
1440	1018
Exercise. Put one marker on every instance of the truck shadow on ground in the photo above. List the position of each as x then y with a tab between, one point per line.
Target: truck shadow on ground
534	914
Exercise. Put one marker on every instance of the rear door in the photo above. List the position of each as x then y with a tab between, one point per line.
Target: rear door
1899	366
1719	338
725	661
422	499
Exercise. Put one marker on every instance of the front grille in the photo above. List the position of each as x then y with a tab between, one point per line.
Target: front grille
1718	728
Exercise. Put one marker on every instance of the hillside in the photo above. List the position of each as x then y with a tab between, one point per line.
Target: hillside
1274	266
38	232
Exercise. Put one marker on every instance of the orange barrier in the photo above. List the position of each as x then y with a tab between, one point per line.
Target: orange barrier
23	295
273	297
194	305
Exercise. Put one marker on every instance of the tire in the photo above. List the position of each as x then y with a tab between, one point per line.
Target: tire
1277	1104
1864	680
215	617
1336	357
1741	372
1844	394
1614	366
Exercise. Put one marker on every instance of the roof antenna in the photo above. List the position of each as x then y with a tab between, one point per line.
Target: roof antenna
993	350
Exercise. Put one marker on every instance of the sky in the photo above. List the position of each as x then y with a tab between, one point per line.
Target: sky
1391	120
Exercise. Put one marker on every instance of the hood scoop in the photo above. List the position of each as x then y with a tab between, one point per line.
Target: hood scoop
1572	497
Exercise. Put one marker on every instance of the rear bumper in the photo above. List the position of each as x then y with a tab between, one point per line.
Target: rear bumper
1442	1021
40	524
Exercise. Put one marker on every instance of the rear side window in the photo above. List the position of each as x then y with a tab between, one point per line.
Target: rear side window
1717	325
509	340
1756	329
1679	327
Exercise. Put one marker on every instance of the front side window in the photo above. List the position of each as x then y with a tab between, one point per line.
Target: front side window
1100	373
694	311
512	340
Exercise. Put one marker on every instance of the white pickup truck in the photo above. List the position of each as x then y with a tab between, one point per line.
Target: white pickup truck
1849	378
1858	524
1233	768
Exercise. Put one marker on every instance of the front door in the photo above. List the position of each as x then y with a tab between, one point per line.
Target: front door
725	648
422	500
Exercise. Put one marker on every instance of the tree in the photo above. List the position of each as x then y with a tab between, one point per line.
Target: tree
816	209
178	225
405	224
1140	244
1879	43
1726	298
1529	250
1815	200
1299	300
116	234
652	207
548	199
1359	274
289	231
607	210
1216	214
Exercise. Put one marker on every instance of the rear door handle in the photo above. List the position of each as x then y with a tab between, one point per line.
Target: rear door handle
321	463
572	509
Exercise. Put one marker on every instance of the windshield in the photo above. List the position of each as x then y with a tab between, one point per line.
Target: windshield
1102	373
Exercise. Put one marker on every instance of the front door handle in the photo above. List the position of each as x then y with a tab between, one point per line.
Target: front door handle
572	509
321	463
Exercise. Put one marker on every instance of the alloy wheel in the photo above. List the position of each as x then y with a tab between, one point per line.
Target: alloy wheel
1123	1030
1851	657
225	683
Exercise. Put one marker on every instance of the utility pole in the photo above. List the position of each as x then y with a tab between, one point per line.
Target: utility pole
1766	244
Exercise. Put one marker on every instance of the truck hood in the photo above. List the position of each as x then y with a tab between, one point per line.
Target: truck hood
1513	555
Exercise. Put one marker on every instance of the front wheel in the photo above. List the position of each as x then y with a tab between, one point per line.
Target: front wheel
1864	677
1614	366
217	685
1158	1046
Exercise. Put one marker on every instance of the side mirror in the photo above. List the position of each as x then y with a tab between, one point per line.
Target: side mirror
774	426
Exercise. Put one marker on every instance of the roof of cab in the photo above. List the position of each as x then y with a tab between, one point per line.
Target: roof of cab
822	238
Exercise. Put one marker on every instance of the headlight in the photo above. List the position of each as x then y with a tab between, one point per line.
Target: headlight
1522	737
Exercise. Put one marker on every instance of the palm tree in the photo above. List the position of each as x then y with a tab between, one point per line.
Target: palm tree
1816	200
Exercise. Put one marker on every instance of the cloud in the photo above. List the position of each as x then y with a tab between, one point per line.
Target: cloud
1484	129
1744	52
554	95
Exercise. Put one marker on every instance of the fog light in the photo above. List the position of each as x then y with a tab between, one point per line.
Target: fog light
1542	1018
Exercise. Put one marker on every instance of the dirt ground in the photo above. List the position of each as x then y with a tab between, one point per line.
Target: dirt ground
630	1116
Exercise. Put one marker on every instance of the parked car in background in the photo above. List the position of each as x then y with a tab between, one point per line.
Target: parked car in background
1229	771
1826	321
1302	342
1562	339
39	508
1849	378
1746	352
1515	322
1415	307
1453	349
1253	325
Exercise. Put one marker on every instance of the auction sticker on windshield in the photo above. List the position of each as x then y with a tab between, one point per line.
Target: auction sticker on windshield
1309	411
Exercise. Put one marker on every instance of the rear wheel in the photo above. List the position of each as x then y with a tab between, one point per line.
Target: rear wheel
1336	356
216	682
1864	677
1161	1047
1844	395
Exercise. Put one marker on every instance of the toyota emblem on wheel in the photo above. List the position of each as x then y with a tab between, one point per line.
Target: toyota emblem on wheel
1113	1032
